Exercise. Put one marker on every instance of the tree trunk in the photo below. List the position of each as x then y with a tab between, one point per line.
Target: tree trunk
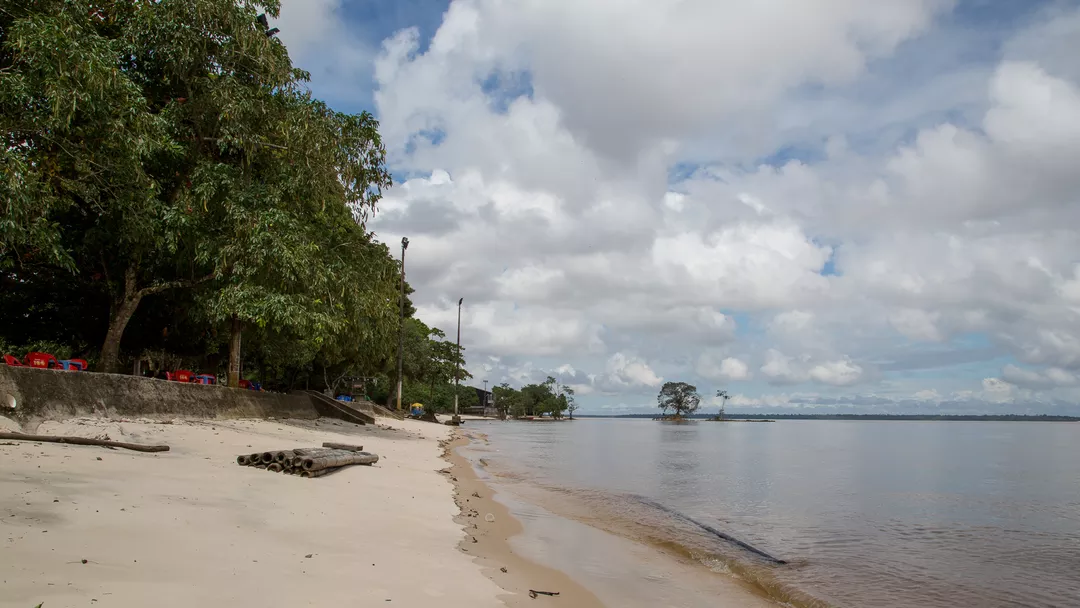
122	311
234	353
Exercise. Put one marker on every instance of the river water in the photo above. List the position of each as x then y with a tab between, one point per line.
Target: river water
813	513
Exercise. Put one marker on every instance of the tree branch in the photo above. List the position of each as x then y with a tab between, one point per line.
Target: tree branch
146	291
258	143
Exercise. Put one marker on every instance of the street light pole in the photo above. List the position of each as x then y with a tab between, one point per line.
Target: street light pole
457	375
486	399
401	323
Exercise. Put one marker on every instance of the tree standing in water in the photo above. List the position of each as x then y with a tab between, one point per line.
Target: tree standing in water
680	397
723	397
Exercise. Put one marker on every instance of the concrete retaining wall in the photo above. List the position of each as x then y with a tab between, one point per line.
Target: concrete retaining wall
30	396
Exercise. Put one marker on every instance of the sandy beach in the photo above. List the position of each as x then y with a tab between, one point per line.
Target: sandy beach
91	526
189	527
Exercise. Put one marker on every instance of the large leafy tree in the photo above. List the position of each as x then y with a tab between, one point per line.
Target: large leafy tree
679	397
151	146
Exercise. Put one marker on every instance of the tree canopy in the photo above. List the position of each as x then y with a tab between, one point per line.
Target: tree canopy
547	398
168	182
679	397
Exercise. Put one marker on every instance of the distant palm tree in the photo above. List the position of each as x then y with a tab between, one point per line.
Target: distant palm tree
723	396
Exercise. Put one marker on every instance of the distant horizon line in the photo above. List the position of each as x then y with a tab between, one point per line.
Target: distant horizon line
981	417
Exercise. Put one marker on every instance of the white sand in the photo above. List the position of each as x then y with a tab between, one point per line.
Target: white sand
190	528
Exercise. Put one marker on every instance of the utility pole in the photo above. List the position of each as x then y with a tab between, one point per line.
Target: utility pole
401	324
457	374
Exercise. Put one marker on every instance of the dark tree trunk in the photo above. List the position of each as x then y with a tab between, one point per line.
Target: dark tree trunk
125	307
121	313
234	353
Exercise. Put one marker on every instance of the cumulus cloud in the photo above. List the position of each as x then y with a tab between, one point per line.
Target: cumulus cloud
716	192
1034	378
626	372
837	373
727	369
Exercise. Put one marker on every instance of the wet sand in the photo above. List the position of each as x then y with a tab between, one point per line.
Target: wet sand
612	566
487	540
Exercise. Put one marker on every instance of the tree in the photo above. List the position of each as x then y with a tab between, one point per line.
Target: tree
508	401
723	397
571	403
680	397
155	146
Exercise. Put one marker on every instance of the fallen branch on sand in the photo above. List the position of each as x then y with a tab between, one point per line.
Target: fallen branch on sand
85	441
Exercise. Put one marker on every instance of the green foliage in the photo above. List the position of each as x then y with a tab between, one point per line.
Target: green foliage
544	399
164	170
679	397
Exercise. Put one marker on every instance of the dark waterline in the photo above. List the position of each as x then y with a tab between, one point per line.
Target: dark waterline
868	513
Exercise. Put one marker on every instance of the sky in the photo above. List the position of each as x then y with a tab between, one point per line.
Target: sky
829	206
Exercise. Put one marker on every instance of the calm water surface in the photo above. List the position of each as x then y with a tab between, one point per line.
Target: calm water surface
864	513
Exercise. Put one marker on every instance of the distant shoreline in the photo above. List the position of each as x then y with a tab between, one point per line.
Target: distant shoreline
898	417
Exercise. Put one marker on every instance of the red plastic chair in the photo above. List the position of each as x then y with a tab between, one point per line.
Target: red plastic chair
183	375
12	361
41	360
83	365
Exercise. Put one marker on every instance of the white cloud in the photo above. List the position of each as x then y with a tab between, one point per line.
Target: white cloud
927	395
734	369
315	29
782	369
1032	378
589	177
724	369
626	371
837	373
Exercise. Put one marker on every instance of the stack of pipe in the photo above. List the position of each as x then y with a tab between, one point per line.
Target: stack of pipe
309	462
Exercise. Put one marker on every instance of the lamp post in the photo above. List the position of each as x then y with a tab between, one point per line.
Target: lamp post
486	399
457	374
401	322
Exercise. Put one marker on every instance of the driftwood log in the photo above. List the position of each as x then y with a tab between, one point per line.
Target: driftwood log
282	455
320	472
85	441
343	446
338	459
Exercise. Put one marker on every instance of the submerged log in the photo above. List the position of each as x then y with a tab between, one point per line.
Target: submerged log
339	459
85	441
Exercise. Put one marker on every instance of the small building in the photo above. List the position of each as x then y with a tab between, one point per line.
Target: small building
486	407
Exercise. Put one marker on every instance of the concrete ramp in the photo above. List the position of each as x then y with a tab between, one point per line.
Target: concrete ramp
342	410
376	410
